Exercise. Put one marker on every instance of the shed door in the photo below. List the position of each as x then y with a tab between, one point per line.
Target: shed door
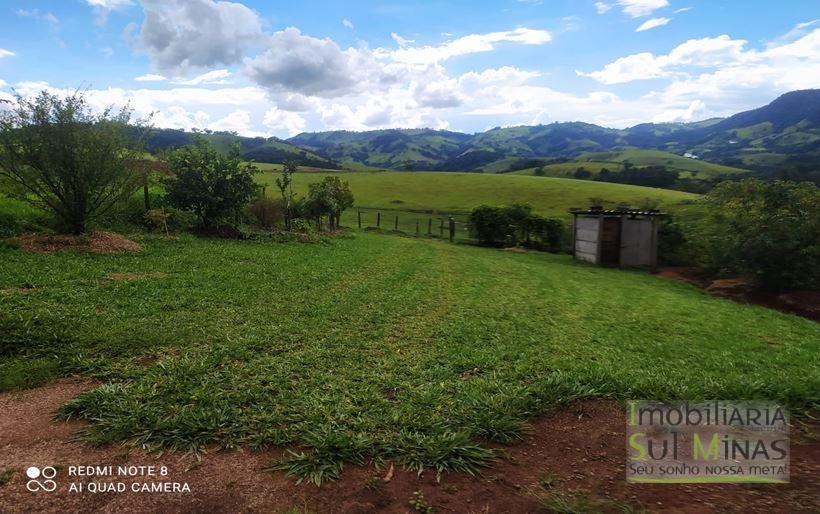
611	241
637	242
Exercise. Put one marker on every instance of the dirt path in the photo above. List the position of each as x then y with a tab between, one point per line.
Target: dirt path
578	452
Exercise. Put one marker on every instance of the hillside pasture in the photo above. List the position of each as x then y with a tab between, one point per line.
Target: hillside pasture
458	193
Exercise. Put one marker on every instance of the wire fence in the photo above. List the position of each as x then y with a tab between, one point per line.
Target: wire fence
452	227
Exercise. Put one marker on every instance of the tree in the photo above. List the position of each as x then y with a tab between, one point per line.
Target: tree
212	185
283	183
57	154
767	231
330	198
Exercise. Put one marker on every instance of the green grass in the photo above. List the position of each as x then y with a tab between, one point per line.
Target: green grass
374	347
440	192
593	162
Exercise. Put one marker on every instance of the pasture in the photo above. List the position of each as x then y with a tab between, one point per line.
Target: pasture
372	346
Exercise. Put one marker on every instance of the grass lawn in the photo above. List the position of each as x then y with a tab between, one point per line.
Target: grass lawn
369	345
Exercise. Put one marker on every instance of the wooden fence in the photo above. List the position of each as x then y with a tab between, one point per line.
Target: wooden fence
452	227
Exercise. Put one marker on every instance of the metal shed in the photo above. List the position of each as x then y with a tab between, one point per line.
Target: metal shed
616	237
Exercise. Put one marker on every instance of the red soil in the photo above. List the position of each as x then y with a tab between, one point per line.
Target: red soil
577	452
96	242
801	303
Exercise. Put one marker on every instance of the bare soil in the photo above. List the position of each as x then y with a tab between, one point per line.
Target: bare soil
126	277
96	242
578	452
801	303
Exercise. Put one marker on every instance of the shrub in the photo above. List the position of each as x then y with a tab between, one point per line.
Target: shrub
673	243
329	198
61	156
9	225
266	212
169	220
214	186
766	231
516	224
492	226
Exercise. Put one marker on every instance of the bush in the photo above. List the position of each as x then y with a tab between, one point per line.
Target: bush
266	212
766	231
169	220
214	186
513	225
9	225
672	243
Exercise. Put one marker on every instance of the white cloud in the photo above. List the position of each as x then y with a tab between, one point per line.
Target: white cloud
639	8
6	53
102	8
347	23
473	43
150	77
400	40
37	14
179	35
280	120
3	83
681	10
211	77
706	52
299	63
602	7
652	23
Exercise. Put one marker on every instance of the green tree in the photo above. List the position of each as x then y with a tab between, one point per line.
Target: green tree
330	198
766	231
284	184
212	185
59	155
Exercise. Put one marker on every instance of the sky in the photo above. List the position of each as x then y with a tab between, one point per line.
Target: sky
270	68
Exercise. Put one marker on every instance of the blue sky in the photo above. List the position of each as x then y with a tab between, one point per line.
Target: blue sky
279	68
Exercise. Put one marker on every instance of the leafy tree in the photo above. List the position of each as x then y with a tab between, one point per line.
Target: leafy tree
582	173
213	185
767	231
515	224
59	155
330	198
283	183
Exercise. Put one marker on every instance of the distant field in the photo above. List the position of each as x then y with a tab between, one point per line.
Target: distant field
441	192
593	162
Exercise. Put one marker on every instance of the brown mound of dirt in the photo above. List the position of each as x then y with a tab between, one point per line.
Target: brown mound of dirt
576	453
801	303
96	242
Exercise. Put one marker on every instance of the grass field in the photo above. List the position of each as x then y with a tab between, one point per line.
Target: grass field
368	345
441	192
593	162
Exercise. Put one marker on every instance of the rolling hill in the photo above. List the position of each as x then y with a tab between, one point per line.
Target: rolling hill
785	133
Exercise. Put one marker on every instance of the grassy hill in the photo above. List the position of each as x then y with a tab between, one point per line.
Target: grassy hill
461	192
410	350
594	162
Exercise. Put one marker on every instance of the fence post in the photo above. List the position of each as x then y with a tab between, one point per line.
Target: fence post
452	228
397	224
378	220
441	228
429	226
360	219
417	227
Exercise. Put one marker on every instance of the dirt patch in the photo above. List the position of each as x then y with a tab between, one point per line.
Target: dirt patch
134	276
96	242
578	452
22	289
802	303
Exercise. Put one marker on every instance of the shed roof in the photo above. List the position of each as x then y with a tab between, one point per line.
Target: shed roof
618	212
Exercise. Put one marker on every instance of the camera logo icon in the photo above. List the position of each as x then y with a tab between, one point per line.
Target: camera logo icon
41	479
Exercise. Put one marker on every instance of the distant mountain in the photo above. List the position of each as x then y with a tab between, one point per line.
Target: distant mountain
782	137
419	149
258	149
